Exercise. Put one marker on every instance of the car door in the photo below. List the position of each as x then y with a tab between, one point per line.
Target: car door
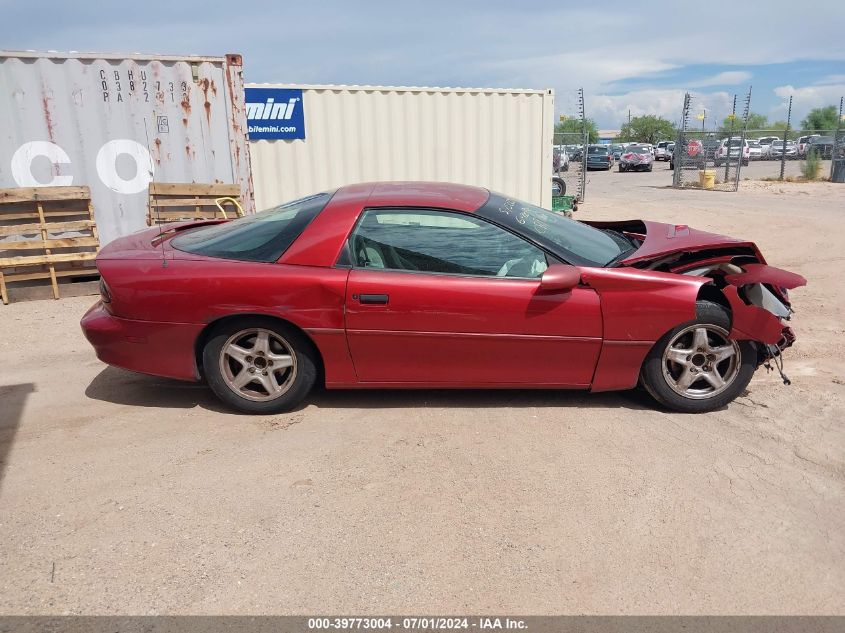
441	298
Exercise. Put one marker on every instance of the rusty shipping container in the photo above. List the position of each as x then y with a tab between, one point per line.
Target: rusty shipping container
115	123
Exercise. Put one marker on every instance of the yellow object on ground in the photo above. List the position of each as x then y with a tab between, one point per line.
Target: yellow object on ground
706	178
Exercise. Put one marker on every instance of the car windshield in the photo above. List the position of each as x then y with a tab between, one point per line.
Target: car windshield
573	241
735	142
753	144
597	149
822	139
638	149
262	237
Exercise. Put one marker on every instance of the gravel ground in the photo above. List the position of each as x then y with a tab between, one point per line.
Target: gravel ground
128	494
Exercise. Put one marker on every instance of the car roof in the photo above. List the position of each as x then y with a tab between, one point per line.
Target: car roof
441	195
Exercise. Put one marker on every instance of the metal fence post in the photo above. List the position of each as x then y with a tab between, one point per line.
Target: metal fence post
585	140
838	141
680	144
785	135
745	113
730	140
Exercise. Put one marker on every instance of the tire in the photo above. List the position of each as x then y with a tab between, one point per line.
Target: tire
621	169
648	168
667	379
272	344
559	182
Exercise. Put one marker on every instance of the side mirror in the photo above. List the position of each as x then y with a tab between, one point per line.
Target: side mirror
560	277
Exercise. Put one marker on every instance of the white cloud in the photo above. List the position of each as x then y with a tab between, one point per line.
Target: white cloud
805	98
727	78
611	111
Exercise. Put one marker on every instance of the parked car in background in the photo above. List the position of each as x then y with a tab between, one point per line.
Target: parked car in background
755	151
780	148
560	160
433	285
636	158
660	150
765	142
575	152
821	145
802	144
734	148
617	150
599	157
692	155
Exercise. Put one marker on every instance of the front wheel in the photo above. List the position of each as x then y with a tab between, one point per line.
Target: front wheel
259	365
696	367
558	187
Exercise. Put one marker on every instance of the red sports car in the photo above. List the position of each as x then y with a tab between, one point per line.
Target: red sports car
397	285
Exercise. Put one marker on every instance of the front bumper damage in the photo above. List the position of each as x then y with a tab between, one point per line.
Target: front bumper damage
758	297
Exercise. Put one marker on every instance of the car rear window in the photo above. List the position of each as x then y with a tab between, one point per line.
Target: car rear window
262	237
597	149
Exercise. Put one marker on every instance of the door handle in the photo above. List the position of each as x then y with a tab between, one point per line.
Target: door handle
373	299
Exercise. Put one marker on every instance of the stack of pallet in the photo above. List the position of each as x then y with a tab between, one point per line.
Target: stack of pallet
46	233
177	202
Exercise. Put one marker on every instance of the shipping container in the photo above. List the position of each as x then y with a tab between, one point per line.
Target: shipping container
114	123
499	139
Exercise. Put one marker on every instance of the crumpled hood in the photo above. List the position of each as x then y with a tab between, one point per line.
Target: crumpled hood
664	239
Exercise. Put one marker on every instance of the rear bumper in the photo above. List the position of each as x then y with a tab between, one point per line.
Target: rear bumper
148	347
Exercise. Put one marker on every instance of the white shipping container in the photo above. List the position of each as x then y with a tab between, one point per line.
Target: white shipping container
494	138
113	122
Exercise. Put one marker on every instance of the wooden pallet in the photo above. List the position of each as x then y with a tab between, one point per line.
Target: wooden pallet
176	202
46	233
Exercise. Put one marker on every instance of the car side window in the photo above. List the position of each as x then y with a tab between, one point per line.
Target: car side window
441	242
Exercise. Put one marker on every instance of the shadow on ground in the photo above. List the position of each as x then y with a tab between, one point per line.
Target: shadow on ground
122	387
13	399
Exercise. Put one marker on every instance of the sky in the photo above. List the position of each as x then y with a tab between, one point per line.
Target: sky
627	56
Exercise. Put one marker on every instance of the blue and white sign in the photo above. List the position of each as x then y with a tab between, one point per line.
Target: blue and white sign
274	113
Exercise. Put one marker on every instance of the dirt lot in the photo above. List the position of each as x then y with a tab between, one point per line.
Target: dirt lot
124	493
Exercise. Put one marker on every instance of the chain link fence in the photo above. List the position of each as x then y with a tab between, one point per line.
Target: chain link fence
570	143
703	152
737	153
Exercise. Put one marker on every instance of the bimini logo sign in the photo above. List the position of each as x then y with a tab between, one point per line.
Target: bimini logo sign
274	113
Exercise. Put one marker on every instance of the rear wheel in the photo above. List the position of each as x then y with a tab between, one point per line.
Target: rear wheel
696	367
558	187
259	365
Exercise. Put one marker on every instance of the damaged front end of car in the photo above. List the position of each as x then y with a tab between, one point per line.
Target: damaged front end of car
755	293
758	298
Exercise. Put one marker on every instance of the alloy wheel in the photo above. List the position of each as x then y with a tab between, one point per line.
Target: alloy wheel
701	361
258	364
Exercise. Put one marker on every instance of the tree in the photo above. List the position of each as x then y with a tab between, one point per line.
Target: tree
573	131
821	119
755	122
779	127
647	129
